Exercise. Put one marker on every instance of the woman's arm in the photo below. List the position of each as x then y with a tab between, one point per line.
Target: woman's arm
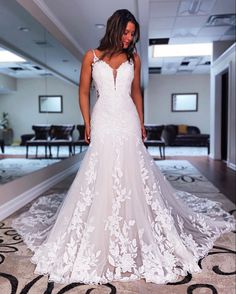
136	93
84	91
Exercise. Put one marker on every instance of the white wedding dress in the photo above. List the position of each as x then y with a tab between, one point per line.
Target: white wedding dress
121	219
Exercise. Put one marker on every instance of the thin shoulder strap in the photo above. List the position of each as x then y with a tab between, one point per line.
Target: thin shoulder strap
95	58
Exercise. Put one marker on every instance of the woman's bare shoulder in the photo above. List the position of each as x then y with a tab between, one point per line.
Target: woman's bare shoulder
98	53
137	61
88	56
136	57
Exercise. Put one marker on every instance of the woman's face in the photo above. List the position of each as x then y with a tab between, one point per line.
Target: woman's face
128	35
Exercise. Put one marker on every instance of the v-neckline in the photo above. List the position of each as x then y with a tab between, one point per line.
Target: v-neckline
112	68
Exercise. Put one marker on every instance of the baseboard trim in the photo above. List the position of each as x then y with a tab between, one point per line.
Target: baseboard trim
231	165
21	200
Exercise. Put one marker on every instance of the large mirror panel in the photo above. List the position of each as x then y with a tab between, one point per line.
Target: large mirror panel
33	64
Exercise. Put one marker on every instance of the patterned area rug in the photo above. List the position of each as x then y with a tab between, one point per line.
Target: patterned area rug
218	268
13	168
185	176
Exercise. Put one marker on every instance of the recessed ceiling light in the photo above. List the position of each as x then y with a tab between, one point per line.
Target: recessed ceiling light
16	68
175	50
184	63
24	29
43	43
46	74
99	25
7	56
65	60
37	67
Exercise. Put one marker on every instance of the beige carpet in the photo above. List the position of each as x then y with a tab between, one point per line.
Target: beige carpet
218	268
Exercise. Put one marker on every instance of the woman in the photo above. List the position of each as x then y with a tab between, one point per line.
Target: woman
121	220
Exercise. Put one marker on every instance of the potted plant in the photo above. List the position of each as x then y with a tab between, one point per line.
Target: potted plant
4	123
6	133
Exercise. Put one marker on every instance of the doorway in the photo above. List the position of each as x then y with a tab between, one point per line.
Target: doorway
224	115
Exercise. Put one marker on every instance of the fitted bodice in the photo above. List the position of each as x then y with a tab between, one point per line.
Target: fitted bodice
114	111
110	82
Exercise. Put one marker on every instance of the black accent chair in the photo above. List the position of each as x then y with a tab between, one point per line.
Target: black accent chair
61	135
81	141
154	138
2	145
41	138
25	138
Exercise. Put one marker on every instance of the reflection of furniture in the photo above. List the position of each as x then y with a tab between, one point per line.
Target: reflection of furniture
183	135
25	138
2	145
41	138
154	139
81	141
51	135
61	135
7	136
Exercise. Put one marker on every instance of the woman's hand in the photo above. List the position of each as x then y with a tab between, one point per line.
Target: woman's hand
143	131
87	134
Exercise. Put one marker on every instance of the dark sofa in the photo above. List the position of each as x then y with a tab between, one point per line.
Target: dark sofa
191	136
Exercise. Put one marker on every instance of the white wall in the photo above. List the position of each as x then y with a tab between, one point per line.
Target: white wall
158	100
226	62
7	84
23	107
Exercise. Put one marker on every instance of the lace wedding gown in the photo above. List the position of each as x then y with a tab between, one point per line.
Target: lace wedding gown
121	219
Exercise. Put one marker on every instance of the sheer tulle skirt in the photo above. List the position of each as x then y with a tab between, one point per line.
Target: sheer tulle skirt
120	220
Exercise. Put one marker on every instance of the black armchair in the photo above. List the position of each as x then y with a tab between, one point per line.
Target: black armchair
2	145
81	141
154	138
61	135
41	138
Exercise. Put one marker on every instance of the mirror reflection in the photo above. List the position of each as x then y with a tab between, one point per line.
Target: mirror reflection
36	74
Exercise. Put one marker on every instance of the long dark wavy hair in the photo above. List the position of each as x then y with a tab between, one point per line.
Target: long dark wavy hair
111	43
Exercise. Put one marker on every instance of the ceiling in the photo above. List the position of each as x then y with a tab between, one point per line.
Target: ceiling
70	31
44	53
178	21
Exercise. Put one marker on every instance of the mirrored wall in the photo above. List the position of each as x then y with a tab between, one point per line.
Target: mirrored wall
38	86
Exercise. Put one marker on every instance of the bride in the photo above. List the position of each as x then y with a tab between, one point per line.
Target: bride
121	220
